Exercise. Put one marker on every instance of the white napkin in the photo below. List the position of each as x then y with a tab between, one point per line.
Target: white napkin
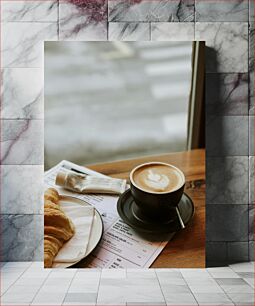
82	218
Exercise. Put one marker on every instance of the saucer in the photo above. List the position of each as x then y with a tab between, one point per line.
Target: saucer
126	209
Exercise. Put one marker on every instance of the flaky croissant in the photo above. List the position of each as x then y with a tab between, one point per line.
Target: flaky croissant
58	228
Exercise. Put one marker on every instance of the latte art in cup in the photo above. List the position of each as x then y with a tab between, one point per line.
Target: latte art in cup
158	178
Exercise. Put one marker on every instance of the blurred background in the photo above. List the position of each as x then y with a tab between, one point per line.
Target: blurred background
115	100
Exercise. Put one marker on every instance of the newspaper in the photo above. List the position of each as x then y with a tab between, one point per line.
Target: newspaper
120	246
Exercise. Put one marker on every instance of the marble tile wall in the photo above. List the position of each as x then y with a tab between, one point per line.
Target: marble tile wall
228	29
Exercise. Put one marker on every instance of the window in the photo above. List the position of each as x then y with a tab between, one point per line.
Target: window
115	100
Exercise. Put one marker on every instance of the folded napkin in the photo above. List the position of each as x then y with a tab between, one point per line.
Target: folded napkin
82	218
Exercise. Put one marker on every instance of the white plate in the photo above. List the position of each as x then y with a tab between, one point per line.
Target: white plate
96	230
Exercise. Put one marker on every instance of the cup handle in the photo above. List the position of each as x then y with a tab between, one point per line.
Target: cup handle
180	218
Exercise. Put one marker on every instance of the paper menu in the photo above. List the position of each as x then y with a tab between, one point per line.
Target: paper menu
121	246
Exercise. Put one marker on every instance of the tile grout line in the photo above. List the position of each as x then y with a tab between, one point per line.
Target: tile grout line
15	280
160	287
69	286
223	288
189	287
150	29
57	23
40	288
98	287
227	293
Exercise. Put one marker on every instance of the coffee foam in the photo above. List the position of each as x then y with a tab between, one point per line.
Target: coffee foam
158	178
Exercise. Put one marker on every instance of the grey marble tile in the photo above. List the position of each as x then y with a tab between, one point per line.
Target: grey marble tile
23	43
234	10
180	299
172	31
129	31
251	10
133	290
227	135
246	275
156	303
238	251
242	299
246	288
208	298
251	222
227	180
251	180
243	267
251	135
251	68
251	93
227	223
153	10
227	94
83	20
216	254
23	10
226	43
22	188
22	93
21	237
251	250
81	297
178	289
215	180
236	179
22	142
251	47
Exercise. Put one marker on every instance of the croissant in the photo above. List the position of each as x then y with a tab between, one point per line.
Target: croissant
58	228
52	195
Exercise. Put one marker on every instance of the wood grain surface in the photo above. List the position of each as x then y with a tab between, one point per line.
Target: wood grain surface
187	248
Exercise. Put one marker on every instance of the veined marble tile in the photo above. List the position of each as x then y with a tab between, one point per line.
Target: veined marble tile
23	43
213	10
151	10
243	267
216	254
238	251
241	299
22	188
81	297
251	250
228	45
180	299
218	298
251	10
22	142
227	180
251	135
227	135
227	94
82	20
172	31
251	180
251	68
144	293
251	47
251	222
113	273
21	237
227	223
129	31
22	93
251	93
29	10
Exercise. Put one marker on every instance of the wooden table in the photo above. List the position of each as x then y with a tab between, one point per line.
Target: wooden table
187	248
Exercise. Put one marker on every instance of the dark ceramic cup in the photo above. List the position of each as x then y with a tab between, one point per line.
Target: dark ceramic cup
155	205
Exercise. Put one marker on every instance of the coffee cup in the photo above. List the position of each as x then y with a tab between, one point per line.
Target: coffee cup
157	189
